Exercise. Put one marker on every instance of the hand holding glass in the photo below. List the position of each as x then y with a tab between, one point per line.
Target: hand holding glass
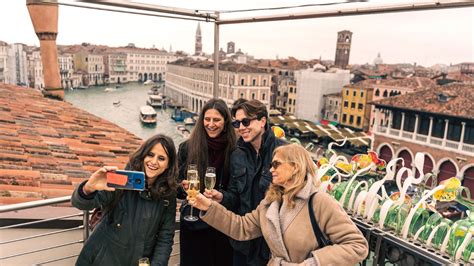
193	189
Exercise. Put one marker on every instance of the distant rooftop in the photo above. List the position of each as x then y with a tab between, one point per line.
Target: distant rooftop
411	82
225	66
100	49
452	100
48	146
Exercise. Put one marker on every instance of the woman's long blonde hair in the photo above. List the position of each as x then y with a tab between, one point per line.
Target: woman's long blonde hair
297	156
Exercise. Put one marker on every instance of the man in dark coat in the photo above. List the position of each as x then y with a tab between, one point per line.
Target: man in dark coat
250	175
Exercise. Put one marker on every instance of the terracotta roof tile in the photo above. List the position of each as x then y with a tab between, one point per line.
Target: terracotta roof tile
47	146
459	104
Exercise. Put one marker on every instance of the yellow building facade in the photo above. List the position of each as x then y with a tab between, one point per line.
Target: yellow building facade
355	112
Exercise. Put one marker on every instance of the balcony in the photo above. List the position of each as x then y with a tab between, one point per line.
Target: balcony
452	144
421	138
468	148
407	135
434	142
394	132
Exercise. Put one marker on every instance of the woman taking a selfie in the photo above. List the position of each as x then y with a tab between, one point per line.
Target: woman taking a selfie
210	145
283	217
136	224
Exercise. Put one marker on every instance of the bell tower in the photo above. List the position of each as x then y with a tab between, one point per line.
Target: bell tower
198	45
343	48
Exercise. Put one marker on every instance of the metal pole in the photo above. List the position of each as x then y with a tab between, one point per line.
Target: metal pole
85	221
432	5
215	91
150	7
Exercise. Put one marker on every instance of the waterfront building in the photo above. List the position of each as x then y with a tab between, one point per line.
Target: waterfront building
311	86
343	49
283	88
144	64
292	97
17	64
92	65
116	67
190	83
66	71
355	112
35	70
4	75
332	107
386	88
283	73
438	121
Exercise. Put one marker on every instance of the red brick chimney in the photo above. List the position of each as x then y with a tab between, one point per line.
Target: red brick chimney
44	15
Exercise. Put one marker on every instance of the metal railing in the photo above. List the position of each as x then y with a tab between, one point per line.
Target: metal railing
58	233
38	204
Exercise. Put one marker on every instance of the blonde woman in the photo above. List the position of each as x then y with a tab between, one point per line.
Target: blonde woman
282	217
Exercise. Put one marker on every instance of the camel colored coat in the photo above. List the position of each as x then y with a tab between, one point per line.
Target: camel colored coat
288	231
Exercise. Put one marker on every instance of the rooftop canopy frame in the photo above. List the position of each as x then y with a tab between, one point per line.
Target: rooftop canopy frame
215	16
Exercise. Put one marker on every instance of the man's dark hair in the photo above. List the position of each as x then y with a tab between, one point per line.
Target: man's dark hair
236	104
252	108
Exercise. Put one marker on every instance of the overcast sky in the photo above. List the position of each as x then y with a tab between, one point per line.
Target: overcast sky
425	37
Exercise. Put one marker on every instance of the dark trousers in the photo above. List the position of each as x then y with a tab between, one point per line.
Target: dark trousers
244	260
205	247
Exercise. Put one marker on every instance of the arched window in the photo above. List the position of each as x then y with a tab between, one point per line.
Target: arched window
468	180
385	93
386	153
253	96
446	170
407	159
377	92
263	97
335	117
242	81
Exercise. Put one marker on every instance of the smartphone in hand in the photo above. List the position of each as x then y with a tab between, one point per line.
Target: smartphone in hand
130	180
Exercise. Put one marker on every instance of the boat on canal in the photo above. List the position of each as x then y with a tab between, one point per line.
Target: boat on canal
148	115
155	101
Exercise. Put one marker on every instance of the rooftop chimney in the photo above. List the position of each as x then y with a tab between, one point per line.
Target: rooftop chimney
44	15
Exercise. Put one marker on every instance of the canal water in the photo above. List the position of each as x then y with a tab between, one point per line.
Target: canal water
132	96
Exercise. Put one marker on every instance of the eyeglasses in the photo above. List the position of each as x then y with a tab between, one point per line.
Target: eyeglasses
275	164
245	122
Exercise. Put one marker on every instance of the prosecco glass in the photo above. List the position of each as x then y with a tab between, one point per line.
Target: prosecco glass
210	178
193	189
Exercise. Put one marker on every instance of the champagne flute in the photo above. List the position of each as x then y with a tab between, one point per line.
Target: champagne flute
193	189
210	178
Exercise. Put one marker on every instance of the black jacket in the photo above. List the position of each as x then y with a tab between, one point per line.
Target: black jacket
200	244
138	227
250	179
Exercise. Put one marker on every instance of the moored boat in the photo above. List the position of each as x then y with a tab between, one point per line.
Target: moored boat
183	131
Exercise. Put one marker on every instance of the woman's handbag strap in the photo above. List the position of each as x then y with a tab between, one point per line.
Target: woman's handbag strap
322	239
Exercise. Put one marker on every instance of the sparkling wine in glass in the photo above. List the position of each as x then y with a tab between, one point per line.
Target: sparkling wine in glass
193	189
210	178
